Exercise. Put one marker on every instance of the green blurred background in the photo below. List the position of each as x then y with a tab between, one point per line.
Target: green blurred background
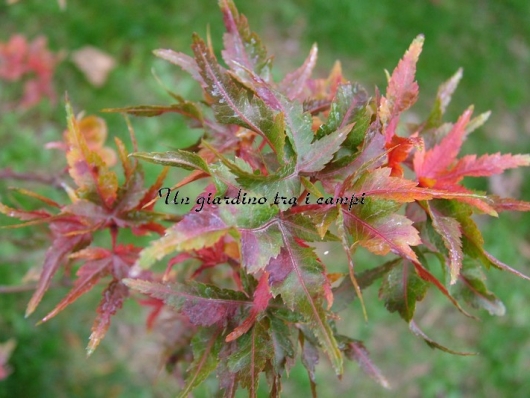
489	39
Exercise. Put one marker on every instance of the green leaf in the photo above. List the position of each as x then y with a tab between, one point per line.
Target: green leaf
344	294
443	97
401	289
299	277
472	289
186	108
249	359
433	344
282	344
319	153
206	346
348	107
247	216
179	158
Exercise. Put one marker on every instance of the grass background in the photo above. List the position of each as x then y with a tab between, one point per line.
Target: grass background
489	39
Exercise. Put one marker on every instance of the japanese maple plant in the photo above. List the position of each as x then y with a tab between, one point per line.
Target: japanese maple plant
317	160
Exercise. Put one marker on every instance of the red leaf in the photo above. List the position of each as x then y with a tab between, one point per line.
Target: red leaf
484	166
399	149
294	83
147	201
509	204
112	301
428	165
6	350
262	296
56	255
99	263
157	306
87	276
380	183
13	58
20	59
356	351
24	215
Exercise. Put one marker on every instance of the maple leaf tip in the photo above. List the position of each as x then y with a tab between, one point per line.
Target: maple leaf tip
30	309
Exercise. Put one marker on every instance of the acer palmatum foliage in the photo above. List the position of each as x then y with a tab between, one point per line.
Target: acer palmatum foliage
30	62
251	292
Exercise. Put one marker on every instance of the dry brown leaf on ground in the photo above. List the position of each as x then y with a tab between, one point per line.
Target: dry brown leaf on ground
94	63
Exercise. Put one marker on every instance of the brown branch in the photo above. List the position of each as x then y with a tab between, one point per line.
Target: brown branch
8	174
5	289
17	288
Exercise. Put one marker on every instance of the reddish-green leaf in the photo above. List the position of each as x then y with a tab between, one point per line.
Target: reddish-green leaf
378	228
242	46
196	230
310	360
355	350
204	305
262	296
379	183
449	230
402	90
230	102
298	276
259	246
185	108
282	344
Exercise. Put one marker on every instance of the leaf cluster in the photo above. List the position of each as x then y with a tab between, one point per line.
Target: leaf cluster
258	295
